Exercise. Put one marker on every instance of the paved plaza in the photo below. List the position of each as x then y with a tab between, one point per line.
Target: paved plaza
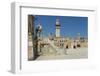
71	54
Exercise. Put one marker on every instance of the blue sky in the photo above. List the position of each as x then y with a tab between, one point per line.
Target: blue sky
70	25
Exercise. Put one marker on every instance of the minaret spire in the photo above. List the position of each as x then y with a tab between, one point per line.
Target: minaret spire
57	21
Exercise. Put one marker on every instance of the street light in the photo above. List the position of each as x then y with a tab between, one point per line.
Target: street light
39	30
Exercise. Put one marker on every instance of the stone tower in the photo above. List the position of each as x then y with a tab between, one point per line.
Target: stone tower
57	28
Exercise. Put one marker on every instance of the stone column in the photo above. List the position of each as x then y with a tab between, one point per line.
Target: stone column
31	53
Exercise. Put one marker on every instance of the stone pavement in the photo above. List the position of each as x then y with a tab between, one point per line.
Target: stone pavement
71	54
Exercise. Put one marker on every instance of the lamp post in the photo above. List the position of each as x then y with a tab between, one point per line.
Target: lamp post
38	31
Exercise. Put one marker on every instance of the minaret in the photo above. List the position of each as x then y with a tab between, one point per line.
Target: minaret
78	36
57	28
